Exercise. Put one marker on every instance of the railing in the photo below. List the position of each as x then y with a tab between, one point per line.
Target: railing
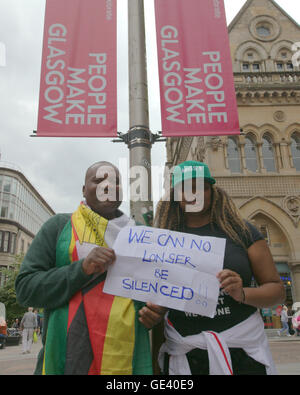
285	78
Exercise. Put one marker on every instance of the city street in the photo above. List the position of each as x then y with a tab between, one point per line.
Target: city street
285	351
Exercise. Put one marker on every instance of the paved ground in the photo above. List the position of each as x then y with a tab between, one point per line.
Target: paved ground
13	362
285	351
286	355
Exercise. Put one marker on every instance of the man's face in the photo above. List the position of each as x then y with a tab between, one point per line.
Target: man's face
102	189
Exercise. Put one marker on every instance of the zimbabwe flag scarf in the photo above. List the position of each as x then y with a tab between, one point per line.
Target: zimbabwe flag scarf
96	333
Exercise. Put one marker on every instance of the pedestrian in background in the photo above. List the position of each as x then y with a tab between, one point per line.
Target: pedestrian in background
290	324
16	324
284	321
28	326
296	322
38	318
3	332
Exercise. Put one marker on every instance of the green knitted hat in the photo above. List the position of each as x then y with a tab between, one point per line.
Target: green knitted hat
191	169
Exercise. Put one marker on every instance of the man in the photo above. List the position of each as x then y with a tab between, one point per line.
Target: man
28	326
85	330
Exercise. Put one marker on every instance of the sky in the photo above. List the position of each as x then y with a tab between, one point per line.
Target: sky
56	166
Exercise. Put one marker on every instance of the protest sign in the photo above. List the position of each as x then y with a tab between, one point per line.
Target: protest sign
171	269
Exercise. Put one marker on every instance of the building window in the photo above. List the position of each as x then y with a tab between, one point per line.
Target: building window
256	67
263	31
13	239
8	242
4	209
268	154
251	67
7	184
251	154
279	66
5	242
233	154
295	148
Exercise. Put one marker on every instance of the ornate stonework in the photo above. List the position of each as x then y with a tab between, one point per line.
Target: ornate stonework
264	28
268	97
279	116
291	205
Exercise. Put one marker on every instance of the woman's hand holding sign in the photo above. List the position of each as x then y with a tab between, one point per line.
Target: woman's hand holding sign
151	315
98	260
232	284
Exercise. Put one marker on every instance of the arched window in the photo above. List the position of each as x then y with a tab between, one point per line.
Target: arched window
295	148
233	154
251	61
268	153
251	154
283	60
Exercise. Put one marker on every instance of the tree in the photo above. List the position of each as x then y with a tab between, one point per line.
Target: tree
8	293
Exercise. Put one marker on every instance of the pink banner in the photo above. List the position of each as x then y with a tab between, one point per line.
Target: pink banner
78	90
195	69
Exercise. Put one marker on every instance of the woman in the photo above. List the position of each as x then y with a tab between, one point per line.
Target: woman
296	323
237	323
284	321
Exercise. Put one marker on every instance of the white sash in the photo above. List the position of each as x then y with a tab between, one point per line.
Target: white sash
248	335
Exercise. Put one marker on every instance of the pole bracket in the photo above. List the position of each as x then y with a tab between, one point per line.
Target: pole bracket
139	136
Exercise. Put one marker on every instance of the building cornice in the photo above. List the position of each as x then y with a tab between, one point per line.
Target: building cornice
18	173
17	225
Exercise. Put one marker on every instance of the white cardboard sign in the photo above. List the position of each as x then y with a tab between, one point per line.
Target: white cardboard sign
171	269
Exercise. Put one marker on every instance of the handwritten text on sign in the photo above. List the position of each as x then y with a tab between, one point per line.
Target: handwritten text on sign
171	269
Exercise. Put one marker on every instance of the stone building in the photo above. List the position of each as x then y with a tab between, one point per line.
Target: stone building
22	212
260	168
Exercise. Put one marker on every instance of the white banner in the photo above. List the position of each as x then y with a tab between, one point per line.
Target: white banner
171	269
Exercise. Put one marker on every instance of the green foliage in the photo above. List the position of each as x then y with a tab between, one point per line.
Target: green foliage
8	293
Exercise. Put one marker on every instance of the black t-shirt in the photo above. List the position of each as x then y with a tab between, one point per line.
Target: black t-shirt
228	312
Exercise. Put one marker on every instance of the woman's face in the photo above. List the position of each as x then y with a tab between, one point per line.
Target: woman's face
195	196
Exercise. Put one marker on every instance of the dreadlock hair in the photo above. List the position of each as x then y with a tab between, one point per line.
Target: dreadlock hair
223	213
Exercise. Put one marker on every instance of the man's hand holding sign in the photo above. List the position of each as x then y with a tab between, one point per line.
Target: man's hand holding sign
98	260
166	268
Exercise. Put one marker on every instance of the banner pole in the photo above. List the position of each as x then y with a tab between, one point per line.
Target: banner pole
139	137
